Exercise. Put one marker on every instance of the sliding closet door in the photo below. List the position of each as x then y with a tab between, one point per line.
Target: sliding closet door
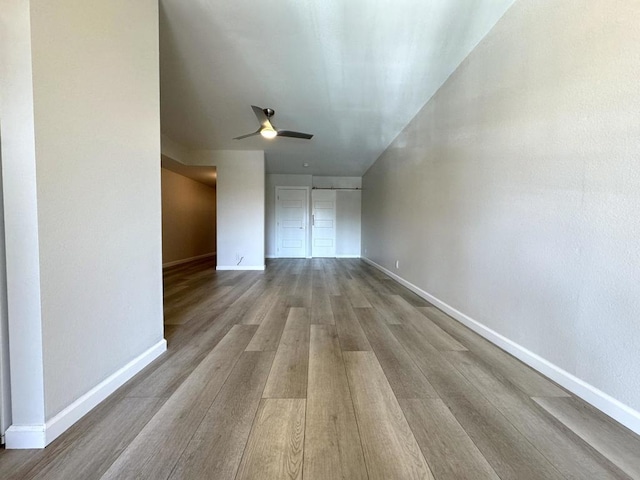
323	225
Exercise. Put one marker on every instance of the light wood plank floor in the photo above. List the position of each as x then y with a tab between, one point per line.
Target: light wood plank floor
327	369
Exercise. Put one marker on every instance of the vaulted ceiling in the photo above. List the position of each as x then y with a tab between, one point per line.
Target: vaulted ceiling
352	72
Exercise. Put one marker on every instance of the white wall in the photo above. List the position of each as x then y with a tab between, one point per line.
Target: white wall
82	204
240	201
513	195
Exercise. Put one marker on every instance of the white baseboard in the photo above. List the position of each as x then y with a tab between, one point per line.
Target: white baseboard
25	436
617	410
39	436
241	267
270	256
187	260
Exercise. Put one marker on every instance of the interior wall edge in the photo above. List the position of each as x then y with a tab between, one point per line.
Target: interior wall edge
607	404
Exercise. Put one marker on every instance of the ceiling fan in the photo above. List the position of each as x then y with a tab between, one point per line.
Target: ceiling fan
267	130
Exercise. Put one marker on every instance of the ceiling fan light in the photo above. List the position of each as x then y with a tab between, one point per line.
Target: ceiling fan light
268	132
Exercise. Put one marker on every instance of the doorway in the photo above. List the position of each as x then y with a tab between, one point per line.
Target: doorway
292	211
323	224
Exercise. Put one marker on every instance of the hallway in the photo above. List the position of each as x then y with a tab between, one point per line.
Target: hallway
322	369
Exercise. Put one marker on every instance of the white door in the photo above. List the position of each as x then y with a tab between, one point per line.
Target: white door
292	209
323	223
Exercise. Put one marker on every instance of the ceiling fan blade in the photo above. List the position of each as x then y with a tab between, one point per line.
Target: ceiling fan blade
257	132
261	116
289	133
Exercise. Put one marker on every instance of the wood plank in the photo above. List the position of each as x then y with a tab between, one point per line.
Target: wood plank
268	334
150	422
164	380
329	266
445	379
363	273
382	304
296	301
182	314
349	287
405	378
303	288
219	440
450	452
157	448
15	464
618	444
504	447
259	309
288	377
341	270
390	449
332	442
87	450
333	286
524	377
321	312
275	446
422	325
568	454
350	332
406	294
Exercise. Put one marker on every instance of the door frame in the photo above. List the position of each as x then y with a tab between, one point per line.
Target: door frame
306	218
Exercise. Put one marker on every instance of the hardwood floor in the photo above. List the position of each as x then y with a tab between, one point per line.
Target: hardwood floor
327	369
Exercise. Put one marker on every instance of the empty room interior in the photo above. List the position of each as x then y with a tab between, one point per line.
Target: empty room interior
320	240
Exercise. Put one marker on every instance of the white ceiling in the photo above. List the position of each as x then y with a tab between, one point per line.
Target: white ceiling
352	72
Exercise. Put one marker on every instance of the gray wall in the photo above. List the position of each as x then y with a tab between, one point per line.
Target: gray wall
97	129
513	195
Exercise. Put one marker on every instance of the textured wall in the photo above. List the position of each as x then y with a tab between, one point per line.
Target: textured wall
188	218
513	194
